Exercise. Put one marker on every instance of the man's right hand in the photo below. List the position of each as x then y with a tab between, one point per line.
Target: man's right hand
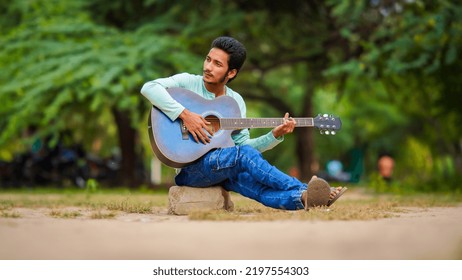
197	126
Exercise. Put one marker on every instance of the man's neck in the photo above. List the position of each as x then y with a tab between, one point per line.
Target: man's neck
217	89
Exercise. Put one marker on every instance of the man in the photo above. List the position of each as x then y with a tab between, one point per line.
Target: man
385	165
241	168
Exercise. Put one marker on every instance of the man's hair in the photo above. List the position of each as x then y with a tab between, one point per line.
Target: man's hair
235	49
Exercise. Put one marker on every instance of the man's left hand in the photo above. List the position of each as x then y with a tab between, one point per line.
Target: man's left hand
286	127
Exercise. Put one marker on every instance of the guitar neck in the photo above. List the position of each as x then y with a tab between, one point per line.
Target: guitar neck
240	123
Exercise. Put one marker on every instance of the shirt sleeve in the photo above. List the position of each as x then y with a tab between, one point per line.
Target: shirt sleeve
262	143
155	91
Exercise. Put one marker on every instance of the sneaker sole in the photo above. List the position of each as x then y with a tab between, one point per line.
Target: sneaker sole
318	193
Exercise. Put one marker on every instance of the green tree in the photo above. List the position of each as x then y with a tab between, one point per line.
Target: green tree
412	57
77	65
61	71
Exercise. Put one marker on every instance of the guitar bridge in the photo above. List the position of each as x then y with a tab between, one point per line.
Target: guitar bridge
184	131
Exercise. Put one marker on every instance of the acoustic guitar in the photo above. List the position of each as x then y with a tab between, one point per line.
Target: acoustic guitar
175	147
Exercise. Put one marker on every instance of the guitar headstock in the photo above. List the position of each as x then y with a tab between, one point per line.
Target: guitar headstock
327	124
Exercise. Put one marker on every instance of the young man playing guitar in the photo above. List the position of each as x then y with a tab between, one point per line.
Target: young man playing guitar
240	168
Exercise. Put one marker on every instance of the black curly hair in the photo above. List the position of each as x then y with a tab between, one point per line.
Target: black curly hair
235	49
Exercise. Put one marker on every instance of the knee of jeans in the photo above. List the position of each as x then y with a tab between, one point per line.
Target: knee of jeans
248	150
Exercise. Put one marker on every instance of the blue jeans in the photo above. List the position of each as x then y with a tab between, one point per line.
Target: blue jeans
242	169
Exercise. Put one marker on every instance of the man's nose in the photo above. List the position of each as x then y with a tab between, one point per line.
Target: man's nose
208	66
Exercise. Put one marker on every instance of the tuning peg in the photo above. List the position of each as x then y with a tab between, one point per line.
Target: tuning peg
327	132
333	133
325	116
321	131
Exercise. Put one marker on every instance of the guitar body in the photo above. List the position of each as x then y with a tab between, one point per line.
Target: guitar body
176	147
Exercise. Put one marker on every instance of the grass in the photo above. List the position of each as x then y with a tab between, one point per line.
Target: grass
108	204
370	207
8	214
102	215
65	214
129	206
98	205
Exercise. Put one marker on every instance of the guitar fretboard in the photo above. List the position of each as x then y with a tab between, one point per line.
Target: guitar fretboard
240	123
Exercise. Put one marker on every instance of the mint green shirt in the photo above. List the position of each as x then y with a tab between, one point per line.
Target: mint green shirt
155	92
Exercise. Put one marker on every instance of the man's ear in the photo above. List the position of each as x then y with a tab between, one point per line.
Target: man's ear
232	73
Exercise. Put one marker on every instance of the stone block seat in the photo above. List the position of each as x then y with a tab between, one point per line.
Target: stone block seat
183	200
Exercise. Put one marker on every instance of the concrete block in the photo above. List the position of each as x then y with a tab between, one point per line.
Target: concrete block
183	199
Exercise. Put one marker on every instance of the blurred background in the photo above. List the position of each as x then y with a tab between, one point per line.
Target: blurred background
71	114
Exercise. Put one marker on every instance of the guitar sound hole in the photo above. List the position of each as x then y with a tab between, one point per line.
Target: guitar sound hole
214	123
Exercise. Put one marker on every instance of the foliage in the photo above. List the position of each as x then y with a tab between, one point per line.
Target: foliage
389	69
62	69
411	109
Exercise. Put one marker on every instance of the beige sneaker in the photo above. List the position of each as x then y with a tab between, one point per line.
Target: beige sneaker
317	193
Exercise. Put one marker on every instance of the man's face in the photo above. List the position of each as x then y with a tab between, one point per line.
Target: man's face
216	69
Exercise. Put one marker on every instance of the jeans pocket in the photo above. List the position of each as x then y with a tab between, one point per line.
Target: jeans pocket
224	158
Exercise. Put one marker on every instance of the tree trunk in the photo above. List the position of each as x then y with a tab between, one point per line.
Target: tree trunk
305	140
127	137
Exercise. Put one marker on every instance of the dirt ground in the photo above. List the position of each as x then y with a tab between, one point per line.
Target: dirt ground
432	233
